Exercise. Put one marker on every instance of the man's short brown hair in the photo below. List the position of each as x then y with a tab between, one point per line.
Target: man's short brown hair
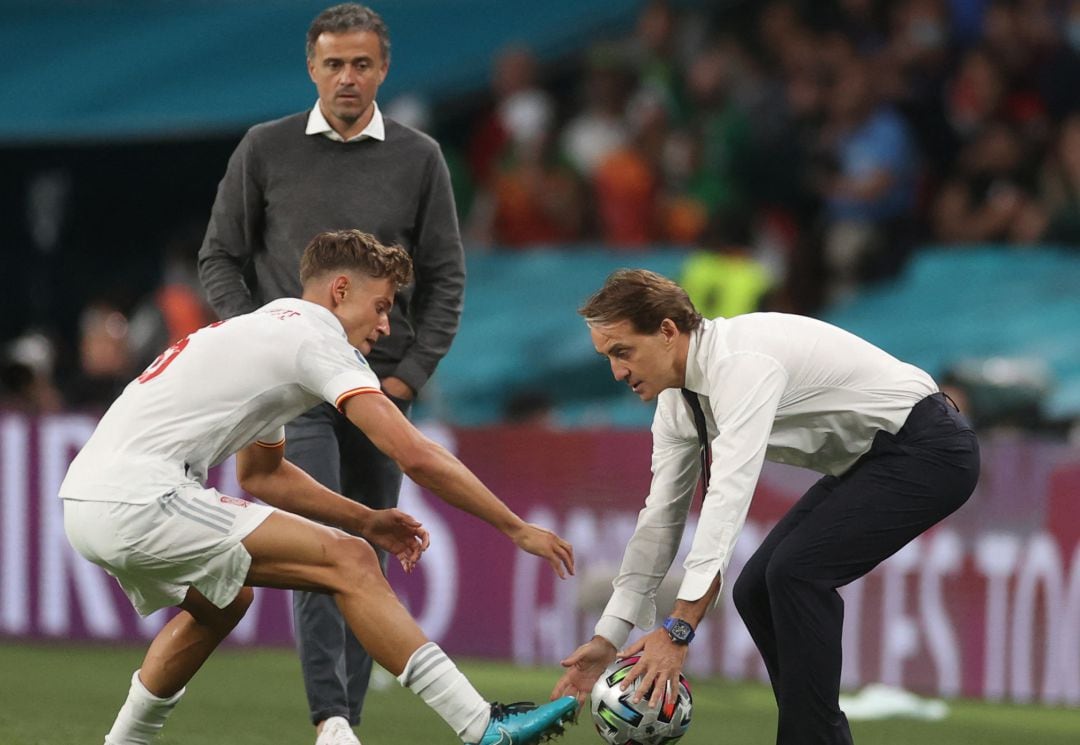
347	17
644	299
354	250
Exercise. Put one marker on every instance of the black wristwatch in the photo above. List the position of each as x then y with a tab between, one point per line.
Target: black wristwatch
679	630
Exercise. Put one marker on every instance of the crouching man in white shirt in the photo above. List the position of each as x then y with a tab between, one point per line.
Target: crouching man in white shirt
135	500
896	456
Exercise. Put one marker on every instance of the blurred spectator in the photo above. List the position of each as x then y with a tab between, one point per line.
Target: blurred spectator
967	19
990	195
26	375
526	195
627	181
105	360
600	127
653	49
537	199
719	174
177	307
915	68
861	21
1018	33
870	195
784	40
1060	185
513	88
1058	76
724	279
976	92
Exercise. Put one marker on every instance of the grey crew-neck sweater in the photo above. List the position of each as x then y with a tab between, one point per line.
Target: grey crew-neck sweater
283	186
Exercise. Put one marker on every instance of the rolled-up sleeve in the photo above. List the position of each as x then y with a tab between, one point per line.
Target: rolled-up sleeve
744	393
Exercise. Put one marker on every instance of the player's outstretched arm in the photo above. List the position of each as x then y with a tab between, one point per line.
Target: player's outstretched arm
435	468
263	472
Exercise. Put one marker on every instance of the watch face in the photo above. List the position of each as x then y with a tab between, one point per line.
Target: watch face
679	630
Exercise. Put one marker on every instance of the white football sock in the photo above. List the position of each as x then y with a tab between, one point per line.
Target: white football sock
141	716
434	677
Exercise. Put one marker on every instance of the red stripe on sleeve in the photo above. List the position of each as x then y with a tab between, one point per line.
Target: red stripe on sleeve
340	403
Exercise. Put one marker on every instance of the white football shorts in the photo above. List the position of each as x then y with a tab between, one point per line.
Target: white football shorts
190	537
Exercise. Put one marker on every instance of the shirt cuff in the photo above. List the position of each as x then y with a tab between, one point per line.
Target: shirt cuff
413	373
696	583
636	609
616	630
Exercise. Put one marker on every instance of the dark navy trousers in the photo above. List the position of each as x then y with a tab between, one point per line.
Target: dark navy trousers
336	668
838	531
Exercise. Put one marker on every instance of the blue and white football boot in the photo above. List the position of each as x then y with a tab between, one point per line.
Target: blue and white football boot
525	723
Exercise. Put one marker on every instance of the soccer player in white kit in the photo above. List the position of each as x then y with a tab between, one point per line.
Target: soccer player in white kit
135	500
731	393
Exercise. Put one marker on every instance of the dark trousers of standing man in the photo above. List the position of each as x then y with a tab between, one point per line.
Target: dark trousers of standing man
339	456
837	532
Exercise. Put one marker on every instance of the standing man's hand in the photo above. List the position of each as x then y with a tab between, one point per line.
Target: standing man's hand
658	668
584	668
545	544
398	388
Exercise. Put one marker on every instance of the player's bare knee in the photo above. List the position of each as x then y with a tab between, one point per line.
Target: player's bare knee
355	562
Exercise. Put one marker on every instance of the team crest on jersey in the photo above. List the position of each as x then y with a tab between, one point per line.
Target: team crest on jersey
233	501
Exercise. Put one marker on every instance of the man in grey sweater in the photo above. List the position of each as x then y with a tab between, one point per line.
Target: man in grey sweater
340	165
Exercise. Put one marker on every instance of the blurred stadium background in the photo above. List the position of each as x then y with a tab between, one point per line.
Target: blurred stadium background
726	144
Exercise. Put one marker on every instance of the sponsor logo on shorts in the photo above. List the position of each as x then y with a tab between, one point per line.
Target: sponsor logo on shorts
233	501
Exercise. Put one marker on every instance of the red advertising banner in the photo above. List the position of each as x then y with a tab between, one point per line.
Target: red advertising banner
986	605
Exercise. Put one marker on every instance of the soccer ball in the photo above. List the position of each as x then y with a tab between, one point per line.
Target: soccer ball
621	722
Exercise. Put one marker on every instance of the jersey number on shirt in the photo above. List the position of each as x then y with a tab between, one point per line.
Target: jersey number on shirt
166	358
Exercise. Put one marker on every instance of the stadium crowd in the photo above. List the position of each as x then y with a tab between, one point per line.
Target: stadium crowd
824	139
805	147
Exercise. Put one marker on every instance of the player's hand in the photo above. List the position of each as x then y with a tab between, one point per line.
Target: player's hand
397	533
398	388
545	544
659	667
583	668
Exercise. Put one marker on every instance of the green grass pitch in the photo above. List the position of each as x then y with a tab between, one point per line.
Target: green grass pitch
60	694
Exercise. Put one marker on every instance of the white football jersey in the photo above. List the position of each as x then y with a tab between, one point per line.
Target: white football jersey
214	392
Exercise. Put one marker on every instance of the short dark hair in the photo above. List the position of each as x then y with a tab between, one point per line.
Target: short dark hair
340	19
644	299
354	250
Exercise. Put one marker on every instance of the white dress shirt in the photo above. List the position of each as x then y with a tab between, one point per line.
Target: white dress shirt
317	125
788	388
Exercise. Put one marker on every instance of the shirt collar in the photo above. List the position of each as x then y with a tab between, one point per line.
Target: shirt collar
313	310
317	125
695	357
